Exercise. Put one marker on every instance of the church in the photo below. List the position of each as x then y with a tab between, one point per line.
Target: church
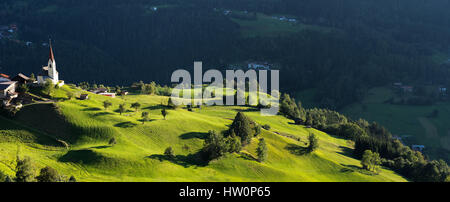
49	71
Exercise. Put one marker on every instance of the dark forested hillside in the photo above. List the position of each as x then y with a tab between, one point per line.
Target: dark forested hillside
366	43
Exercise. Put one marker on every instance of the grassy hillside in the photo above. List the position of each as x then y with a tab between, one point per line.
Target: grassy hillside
138	155
412	123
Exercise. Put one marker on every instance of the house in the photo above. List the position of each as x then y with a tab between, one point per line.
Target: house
4	78
8	91
407	89
21	79
49	71
84	96
113	95
259	65
417	147
398	84
100	90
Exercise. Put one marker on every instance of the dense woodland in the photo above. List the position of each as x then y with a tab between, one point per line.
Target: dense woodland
368	43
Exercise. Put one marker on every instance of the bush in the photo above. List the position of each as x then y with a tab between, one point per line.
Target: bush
266	126
24	170
262	150
48	174
313	142
169	153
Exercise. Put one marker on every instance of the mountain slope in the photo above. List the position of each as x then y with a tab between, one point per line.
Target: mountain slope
138	154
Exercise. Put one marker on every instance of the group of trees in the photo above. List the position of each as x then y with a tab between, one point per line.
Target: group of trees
216	145
373	143
240	134
25	172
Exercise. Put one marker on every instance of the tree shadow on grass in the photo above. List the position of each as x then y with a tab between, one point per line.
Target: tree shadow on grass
193	135
101	147
247	157
154	107
102	114
147	121
185	161
91	109
297	150
126	111
249	109
346	151
127	124
353	168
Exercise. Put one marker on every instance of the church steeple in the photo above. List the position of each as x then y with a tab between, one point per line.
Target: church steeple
51	56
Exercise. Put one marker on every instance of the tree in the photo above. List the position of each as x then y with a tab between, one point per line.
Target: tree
136	106
107	104
70	95
144	116
313	142
48	174
48	87
241	127
122	108
72	179
112	141
169	153
164	113
22	89
257	130
215	145
233	144
262	150
32	77
24	170
171	104
370	160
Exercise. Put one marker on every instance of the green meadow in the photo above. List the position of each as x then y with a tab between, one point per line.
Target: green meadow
413	123
271	26
38	131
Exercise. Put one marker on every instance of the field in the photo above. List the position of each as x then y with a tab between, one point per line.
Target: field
412	123
38	129
271	26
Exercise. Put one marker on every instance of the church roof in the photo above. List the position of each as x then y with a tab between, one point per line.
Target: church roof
51	56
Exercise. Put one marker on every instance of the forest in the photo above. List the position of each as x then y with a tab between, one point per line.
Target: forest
363	43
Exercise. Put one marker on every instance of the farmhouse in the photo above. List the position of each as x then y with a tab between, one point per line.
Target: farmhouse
49	71
113	95
21	79
407	89
259	65
100	90
8	91
417	147
4	78
84	96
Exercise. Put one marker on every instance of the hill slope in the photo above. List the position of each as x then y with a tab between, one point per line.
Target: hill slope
138	154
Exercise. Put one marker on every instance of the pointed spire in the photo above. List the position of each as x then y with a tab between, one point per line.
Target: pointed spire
51	56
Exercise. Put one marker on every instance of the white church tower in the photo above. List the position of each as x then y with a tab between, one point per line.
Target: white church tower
50	72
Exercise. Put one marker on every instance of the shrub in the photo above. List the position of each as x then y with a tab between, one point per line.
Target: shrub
48	174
